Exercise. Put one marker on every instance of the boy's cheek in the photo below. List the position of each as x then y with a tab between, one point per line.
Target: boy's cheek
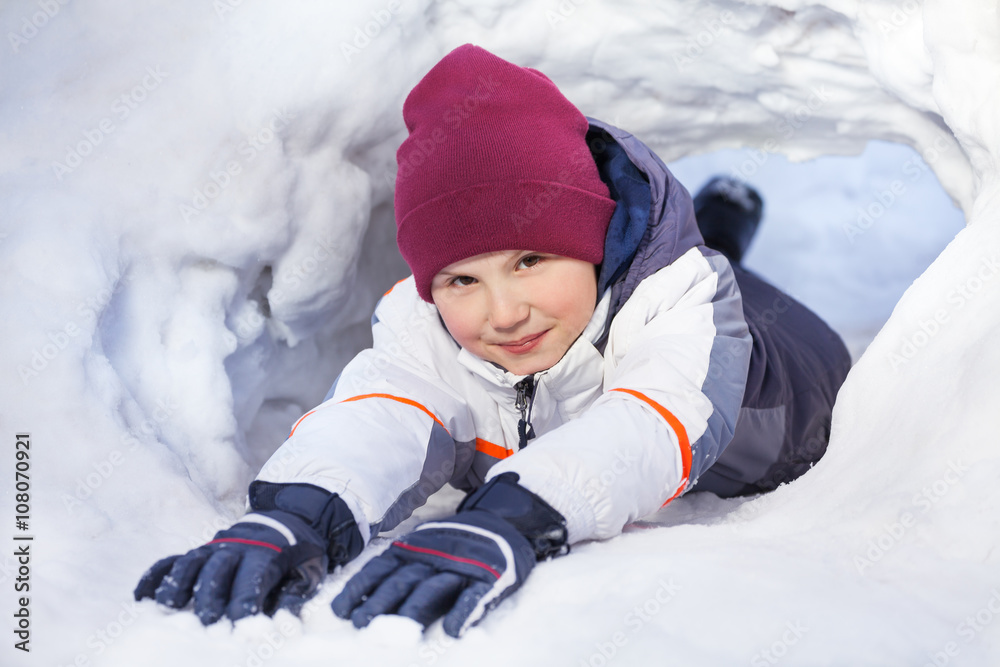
453	322
464	338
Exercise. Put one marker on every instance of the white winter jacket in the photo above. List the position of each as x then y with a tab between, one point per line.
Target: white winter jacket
643	402
614	430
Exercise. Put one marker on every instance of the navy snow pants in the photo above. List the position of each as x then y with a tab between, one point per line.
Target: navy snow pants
797	366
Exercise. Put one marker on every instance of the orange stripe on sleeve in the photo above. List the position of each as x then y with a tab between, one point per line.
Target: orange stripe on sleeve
488	448
682	437
400	399
389	396
393	287
299	422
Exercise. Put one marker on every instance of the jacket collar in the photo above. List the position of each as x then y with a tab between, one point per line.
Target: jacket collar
653	223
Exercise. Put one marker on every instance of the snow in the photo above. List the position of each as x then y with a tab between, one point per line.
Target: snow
197	221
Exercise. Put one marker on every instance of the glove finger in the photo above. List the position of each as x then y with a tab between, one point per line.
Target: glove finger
363	583
176	588
391	592
211	593
300	585
256	576
150	581
433	597
293	595
467	611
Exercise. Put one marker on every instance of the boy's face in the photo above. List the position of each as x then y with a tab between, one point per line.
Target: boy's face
516	308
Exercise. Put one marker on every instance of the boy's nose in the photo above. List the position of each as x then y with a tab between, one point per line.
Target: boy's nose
507	310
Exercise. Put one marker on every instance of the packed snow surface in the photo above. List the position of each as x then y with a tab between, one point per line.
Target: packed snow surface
196	222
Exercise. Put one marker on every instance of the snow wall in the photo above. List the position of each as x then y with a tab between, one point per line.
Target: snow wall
197	222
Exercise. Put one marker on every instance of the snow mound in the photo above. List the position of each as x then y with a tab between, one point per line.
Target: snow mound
197	222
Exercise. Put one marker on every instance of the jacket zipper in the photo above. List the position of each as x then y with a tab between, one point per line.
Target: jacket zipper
525	399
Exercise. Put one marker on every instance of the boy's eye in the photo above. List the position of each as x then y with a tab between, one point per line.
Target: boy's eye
464	281
530	260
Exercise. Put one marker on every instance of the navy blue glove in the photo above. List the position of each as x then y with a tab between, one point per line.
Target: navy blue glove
460	567
273	558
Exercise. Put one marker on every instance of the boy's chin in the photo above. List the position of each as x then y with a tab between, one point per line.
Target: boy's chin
526	366
527	370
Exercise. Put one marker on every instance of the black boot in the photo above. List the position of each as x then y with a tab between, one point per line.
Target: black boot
728	213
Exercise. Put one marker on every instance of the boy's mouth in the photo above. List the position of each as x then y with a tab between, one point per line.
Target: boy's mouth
523	345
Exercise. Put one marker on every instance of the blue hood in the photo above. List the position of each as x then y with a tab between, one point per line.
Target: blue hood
654	217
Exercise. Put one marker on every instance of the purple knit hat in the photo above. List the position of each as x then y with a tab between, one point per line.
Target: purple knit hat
496	159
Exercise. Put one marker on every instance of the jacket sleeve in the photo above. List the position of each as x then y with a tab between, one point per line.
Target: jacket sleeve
675	373
391	431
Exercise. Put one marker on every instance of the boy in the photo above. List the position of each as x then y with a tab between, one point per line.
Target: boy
568	350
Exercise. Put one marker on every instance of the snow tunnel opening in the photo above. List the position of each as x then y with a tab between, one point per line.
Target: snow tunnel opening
846	235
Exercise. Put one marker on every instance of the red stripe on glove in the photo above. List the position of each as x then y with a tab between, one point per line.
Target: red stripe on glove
250	542
442	554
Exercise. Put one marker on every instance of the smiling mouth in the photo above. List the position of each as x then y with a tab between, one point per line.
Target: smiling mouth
523	345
